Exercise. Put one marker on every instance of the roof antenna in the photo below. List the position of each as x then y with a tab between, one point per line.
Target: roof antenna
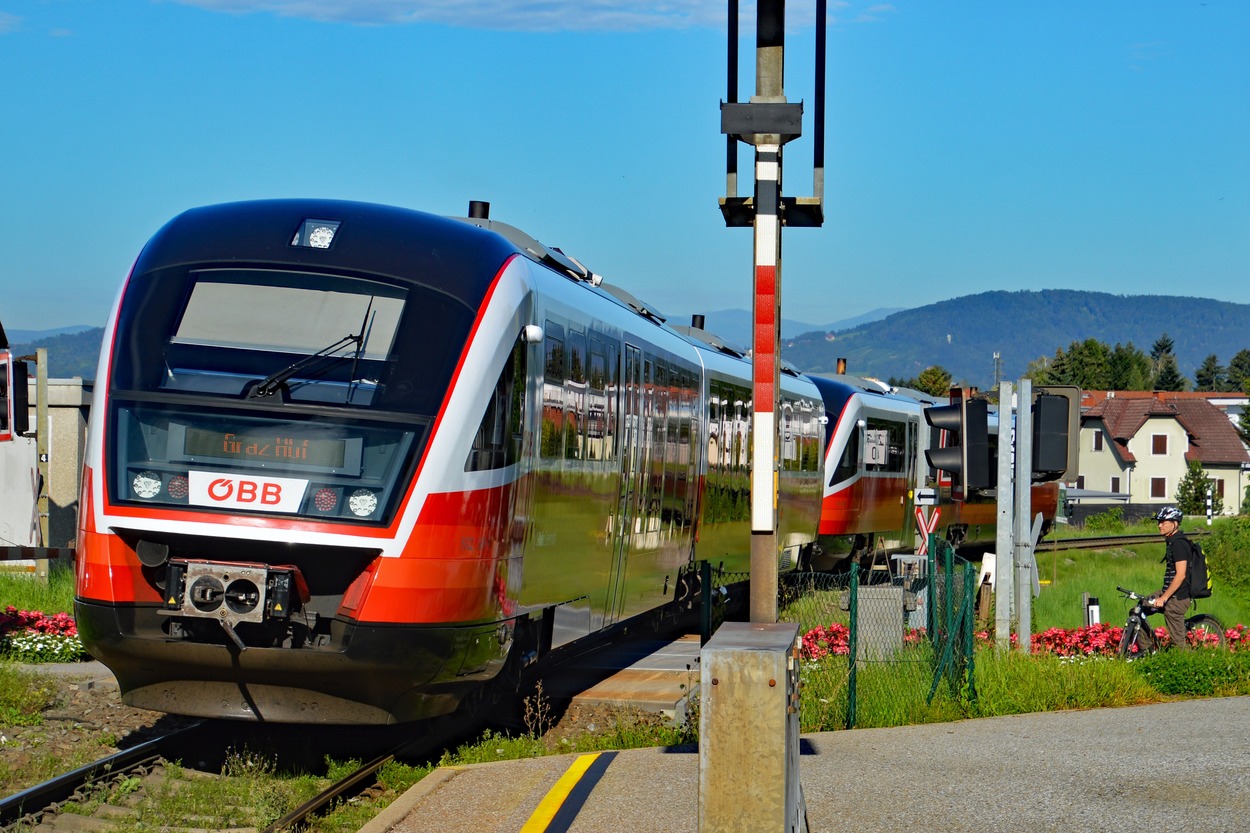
479	210
697	322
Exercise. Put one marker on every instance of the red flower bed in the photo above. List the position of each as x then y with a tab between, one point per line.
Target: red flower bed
32	621
1094	640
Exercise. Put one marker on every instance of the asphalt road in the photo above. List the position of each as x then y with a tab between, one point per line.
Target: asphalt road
1177	767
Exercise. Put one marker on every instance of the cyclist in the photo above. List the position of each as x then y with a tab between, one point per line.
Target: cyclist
1173	600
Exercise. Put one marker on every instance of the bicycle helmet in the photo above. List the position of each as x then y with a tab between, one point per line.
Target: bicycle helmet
1169	513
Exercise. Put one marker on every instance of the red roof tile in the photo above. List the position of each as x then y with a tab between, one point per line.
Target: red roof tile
1212	438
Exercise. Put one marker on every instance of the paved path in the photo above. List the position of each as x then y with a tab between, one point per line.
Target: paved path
1056	772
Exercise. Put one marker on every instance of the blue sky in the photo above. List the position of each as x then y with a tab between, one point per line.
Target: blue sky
971	145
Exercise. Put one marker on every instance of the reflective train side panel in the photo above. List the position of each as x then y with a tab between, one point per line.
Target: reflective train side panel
348	461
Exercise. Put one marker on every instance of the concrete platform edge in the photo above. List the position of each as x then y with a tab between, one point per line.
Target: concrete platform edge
399	809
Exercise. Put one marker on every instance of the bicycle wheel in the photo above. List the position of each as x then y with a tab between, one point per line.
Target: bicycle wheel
1128	641
1204	631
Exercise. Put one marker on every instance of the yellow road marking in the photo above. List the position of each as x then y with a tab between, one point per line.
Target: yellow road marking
551	803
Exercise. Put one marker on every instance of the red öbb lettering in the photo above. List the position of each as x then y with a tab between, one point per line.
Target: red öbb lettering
221	489
271	494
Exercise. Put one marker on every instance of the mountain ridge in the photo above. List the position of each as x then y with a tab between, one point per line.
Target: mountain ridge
960	334
963	334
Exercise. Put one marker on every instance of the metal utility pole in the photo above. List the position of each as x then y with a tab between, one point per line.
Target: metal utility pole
1004	550
1026	568
768	122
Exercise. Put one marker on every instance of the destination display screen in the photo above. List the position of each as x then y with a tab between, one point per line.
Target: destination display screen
273	447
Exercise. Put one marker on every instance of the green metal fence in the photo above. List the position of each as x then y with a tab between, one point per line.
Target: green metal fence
883	639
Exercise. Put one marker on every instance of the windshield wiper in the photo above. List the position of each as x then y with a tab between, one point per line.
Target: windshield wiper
272	383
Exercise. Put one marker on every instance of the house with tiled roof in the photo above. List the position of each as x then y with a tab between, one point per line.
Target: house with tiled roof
1137	447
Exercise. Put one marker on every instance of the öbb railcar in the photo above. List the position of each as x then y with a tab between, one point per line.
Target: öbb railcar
347	461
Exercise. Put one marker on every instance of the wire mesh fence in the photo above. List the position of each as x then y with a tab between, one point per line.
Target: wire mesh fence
882	641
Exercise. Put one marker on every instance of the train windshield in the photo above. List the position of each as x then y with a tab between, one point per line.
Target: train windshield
275	391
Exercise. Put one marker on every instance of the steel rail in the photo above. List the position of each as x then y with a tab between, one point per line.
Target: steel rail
63	787
1098	541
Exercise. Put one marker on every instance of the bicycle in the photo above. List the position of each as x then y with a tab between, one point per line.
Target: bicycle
1201	630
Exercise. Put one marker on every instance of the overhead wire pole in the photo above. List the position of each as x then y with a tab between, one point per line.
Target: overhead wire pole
767	122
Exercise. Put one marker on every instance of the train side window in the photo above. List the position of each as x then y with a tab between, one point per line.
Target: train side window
848	465
612	387
554	346
575	397
552	442
889	438
497	443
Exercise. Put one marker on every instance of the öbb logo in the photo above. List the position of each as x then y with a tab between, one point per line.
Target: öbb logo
224	489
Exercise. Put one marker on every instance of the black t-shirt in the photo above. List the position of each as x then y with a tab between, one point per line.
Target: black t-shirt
1177	550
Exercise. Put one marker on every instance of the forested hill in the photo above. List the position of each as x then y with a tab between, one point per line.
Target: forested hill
69	354
963	334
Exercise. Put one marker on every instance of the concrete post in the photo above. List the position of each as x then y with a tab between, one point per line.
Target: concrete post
749	730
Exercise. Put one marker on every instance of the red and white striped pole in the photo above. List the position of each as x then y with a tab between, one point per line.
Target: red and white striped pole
770	34
765	358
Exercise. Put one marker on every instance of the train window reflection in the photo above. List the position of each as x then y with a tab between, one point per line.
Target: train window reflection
497	443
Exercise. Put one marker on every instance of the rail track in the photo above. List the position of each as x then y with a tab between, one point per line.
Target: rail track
119	781
1094	542
32	805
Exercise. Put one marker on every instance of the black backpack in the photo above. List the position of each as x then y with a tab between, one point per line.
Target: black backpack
1199	578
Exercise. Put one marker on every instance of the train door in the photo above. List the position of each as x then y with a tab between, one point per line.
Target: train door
631	413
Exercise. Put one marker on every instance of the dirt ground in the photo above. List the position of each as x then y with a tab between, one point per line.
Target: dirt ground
87	722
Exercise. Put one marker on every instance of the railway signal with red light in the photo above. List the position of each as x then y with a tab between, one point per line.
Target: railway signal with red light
966	454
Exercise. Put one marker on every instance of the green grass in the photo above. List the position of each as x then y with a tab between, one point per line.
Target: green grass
23	696
1069	573
25	592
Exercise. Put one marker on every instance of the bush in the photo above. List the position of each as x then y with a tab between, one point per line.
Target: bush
1197	673
1228	555
1110	521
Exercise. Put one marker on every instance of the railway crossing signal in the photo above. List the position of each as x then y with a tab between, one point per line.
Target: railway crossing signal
966	455
1056	431
14	405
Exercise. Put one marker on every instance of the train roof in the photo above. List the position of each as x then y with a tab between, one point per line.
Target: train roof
457	257
460	256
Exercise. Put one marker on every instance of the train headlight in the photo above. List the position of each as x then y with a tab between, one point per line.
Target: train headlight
147	484
362	503
316	234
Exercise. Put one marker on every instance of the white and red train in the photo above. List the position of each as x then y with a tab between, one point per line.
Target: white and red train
347	461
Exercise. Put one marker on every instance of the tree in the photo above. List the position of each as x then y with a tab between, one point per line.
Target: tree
1039	370
1210	375
935	380
1238	370
1191	492
1168	376
1243	424
1084	364
1129	368
1162	347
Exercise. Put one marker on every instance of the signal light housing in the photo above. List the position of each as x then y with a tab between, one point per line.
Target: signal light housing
14	397
1056	431
966	455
